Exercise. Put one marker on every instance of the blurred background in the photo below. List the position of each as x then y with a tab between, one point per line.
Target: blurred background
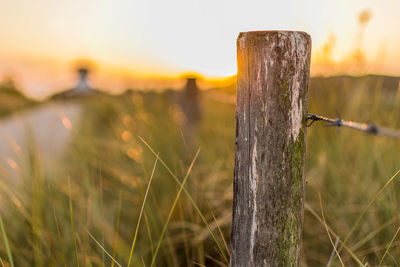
102	100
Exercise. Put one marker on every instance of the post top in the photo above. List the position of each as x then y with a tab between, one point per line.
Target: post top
271	33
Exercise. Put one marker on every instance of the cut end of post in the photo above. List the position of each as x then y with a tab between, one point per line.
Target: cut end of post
269	33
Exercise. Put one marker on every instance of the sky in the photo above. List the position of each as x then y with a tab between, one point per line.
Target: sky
134	42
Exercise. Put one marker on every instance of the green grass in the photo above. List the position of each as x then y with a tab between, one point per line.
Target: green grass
122	209
140	215
6	245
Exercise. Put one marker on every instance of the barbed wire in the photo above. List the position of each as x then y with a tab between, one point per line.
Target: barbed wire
369	128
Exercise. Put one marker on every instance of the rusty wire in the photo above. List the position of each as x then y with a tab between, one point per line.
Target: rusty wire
369	128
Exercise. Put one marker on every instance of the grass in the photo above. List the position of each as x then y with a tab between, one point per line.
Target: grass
388	247
327	231
106	203
141	213
7	246
172	209
71	214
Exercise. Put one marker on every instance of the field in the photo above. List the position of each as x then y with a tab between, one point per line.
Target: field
86	210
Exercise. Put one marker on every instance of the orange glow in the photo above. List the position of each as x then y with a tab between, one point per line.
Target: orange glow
149	44
12	164
66	122
126	135
135	153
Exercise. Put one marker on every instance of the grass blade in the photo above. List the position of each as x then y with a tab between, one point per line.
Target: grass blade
220	232
102	248
6	244
308	207
190	199
366	209
141	213
370	235
327	231
146	219
172	209
71	216
118	219
390	244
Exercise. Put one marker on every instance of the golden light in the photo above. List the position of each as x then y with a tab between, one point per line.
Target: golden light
12	164
135	153
126	135
66	122
132	51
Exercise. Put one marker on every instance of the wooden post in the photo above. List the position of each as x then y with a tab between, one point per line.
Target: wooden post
190	103
273	74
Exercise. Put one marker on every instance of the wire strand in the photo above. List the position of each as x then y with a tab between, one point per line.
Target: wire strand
369	128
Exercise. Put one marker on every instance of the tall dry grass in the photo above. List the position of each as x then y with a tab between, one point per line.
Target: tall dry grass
86	210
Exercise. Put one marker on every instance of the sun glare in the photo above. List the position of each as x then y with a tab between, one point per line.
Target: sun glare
124	48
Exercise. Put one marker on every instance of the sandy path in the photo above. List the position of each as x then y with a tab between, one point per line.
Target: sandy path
49	126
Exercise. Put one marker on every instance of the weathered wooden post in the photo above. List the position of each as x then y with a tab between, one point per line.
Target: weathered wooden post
273	74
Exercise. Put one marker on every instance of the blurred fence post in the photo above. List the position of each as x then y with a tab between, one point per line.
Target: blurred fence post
273	74
191	107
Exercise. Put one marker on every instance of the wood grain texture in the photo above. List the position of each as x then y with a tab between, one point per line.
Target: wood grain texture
273	74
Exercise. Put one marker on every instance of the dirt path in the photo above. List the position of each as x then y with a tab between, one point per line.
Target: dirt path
48	127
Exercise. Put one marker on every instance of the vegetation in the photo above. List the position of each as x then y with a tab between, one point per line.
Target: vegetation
11	99
86	211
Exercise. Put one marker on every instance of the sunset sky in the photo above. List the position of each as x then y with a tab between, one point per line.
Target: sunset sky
132	40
